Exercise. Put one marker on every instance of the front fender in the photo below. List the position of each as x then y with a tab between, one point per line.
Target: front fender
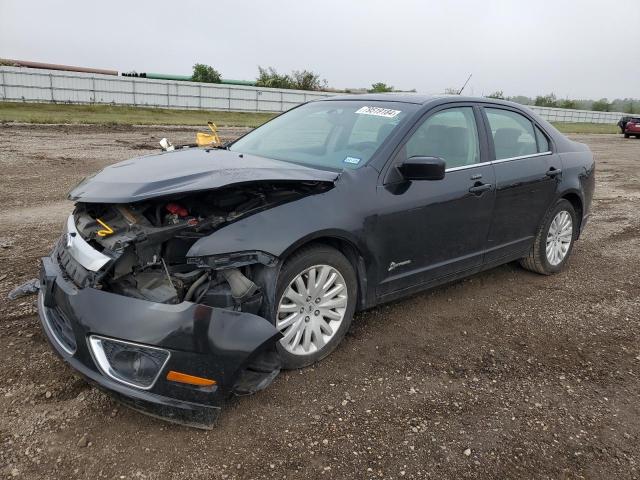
279	230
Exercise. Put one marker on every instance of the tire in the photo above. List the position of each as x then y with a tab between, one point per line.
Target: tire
538	260
626	135
301	328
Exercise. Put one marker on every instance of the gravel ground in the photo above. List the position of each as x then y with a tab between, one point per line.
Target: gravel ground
507	374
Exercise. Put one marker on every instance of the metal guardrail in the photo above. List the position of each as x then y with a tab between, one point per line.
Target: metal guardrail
53	86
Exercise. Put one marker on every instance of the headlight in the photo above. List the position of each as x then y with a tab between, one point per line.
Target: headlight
129	363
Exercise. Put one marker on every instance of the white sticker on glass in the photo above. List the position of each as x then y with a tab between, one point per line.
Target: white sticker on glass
378	112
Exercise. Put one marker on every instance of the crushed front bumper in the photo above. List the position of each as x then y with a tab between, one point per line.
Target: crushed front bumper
206	342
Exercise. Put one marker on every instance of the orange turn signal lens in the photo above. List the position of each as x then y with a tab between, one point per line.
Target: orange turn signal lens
189	379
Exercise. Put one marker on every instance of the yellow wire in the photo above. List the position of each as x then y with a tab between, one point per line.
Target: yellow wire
107	229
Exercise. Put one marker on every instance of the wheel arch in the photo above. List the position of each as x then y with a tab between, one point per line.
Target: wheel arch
575	199
359	259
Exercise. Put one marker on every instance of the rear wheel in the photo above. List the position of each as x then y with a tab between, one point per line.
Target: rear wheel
626	135
316	294
554	240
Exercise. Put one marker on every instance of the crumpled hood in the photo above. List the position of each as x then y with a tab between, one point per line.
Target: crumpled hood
187	170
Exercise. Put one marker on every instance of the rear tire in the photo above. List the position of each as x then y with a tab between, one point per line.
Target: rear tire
554	240
626	135
315	301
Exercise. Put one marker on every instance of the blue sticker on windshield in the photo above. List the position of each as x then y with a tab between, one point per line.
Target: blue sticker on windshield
352	160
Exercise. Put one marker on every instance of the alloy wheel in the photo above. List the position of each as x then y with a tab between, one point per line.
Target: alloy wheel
559	237
311	309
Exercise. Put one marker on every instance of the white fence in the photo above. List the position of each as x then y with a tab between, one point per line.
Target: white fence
53	86
576	116
34	85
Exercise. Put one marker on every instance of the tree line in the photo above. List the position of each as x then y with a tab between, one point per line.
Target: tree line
267	77
270	78
626	105
307	80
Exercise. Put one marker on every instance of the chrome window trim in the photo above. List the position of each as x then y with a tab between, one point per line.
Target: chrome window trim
522	156
464	167
101	361
502	160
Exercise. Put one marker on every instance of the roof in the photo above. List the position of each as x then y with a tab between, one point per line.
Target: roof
387	97
417	98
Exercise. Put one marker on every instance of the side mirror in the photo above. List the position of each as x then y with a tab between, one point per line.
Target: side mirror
422	168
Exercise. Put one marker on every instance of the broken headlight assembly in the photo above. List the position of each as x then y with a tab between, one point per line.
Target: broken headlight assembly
233	260
129	363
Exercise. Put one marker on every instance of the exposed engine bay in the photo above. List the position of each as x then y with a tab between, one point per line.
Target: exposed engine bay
148	242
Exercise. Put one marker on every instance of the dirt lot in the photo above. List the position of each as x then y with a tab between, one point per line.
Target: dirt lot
505	375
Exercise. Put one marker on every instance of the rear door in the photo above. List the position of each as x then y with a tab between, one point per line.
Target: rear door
429	230
527	172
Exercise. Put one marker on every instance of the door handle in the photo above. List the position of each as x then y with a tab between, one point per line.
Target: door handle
478	188
553	172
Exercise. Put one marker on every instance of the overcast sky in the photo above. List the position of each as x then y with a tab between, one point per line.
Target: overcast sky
579	49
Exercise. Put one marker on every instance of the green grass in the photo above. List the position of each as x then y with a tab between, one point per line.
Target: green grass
119	115
586	127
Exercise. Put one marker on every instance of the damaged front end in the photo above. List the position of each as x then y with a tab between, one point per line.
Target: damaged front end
171	334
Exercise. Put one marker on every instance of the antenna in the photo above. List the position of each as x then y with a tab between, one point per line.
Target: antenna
465	84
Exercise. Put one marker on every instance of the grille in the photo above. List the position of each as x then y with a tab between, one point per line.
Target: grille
61	328
75	272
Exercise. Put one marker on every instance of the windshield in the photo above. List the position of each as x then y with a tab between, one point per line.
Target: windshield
327	134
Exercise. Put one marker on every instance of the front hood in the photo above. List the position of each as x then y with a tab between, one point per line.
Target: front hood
187	170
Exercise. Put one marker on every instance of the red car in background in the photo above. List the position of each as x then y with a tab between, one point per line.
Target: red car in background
632	127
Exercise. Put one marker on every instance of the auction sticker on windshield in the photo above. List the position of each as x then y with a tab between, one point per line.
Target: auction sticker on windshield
378	112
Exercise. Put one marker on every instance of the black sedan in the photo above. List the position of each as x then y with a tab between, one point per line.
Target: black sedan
185	277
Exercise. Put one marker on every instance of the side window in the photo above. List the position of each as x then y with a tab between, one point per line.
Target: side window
513	134
543	141
449	134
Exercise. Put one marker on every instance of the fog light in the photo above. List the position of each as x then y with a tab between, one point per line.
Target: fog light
129	363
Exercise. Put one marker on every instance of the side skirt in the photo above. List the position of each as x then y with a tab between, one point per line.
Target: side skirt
405	292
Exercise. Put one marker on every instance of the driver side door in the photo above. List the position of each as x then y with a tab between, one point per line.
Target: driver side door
432	230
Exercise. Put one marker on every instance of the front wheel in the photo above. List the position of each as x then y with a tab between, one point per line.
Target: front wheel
554	240
316	294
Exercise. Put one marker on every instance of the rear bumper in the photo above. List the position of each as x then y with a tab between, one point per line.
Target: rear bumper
203	341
